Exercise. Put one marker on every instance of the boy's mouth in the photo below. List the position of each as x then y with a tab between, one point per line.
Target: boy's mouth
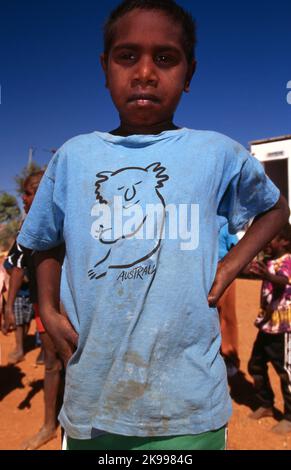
143	99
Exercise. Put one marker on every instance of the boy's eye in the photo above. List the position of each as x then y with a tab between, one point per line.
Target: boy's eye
127	57
165	59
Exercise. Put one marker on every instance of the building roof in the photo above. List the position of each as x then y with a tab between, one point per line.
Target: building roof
271	139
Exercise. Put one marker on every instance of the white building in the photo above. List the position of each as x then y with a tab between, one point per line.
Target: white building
275	155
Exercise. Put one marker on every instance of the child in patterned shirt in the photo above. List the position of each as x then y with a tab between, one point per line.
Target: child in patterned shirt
273	342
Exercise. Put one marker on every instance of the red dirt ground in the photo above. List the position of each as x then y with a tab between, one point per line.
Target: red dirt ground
21	394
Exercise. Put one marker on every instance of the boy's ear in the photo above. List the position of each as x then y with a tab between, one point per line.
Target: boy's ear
103	60
190	73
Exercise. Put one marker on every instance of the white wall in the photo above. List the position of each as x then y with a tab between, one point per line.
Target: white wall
261	151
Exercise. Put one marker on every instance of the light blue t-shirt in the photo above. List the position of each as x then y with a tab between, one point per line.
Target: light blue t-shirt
148	360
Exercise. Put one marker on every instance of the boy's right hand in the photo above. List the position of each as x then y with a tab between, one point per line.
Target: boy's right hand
62	334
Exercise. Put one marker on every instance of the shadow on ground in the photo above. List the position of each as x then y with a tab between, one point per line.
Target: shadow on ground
242	391
10	378
35	387
29	343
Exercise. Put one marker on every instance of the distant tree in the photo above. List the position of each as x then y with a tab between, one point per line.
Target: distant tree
9	220
10	215
28	170
8	234
9	210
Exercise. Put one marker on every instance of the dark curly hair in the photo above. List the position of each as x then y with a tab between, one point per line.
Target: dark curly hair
33	179
170	7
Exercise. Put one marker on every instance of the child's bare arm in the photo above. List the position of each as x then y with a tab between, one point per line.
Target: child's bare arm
48	269
264	228
262	271
15	282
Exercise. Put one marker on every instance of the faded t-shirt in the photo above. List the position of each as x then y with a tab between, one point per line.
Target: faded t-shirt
140	216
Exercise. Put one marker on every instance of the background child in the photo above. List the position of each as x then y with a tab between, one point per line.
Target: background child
4	282
142	337
21	267
22	313
23	262
273	343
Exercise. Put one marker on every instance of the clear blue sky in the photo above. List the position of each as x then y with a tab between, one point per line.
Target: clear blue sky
53	89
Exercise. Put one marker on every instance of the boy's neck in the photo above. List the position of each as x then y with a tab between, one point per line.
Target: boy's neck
125	130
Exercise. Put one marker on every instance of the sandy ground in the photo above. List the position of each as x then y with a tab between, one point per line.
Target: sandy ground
21	391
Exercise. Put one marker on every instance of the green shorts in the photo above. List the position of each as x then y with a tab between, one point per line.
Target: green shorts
213	440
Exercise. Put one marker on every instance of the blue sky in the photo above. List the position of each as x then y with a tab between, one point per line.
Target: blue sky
52	87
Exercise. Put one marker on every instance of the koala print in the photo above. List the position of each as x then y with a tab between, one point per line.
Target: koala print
135	189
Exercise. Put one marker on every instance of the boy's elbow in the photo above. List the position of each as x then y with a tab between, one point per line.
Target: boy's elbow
282	206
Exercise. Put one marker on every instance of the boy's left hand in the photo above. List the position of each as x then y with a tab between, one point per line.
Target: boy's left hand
62	333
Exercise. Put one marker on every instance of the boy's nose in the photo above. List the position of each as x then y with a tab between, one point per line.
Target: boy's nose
145	72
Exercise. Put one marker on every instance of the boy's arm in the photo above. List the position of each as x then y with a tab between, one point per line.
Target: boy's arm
15	282
48	273
264	228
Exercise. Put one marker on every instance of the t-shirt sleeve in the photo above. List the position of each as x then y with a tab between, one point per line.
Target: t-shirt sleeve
43	227
249	191
232	240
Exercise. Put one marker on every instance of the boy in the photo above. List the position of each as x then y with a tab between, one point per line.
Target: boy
143	363
273	342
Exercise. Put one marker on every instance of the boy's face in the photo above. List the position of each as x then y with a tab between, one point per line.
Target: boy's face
147	69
